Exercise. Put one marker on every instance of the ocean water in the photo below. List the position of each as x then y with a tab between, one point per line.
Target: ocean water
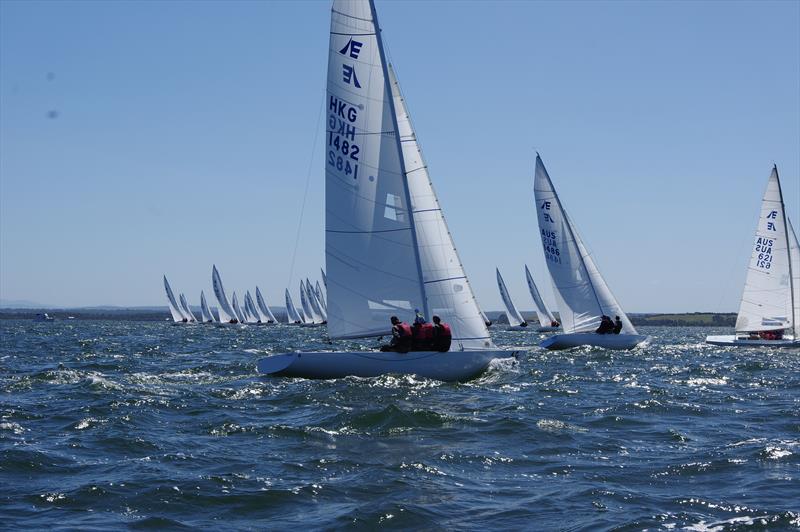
146	425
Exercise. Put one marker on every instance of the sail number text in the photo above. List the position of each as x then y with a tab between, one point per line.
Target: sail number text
342	148
551	251
764	250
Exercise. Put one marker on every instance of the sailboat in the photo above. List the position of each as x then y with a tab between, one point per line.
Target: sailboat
186	311
769	313
316	306
174	309
266	314
387	246
237	310
226	313
253	316
205	312
321	298
515	320
547	322
581	292
292	316
311	318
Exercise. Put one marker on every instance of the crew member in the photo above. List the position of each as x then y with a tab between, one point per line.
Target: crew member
401	337
606	325
617	325
442	336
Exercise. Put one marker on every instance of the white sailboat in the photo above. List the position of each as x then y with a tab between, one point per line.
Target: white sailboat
515	320
226	312
207	316
581	292
321	298
547	322
292	316
310	318
252	312
186	311
316	306
174	309
769	313
387	247
237	310
266	314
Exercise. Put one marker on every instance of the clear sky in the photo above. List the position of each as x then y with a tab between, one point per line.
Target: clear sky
147	138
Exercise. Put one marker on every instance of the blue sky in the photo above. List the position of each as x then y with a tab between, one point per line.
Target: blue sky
183	134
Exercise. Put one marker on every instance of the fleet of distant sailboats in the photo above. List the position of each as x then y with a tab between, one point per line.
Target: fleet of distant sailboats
389	251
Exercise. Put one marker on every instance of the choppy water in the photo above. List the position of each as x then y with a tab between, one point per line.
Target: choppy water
146	425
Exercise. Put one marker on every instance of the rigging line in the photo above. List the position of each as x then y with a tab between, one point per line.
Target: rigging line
305	192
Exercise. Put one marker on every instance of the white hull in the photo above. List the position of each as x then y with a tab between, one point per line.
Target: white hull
608	341
733	341
548	329
449	366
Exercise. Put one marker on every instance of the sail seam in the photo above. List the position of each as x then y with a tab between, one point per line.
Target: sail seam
446	279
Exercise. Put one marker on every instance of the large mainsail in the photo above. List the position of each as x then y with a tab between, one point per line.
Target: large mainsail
370	242
794	262
767	298
545	316
185	308
581	292
226	312
262	305
174	309
446	287
515	319
292	315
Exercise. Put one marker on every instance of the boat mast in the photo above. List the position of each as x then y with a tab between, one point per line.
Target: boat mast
788	249
409	209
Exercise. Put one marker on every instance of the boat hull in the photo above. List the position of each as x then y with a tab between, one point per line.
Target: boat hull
733	341
548	329
608	341
450	366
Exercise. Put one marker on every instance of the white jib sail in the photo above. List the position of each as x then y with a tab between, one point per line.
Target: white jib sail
292	316
446	286
545	316
204	310
794	261
185	309
262	305
767	298
237	310
316	307
226	312
321	297
370	242
581	292
174	309
515	319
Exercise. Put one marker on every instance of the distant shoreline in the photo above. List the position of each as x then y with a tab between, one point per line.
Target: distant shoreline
680	319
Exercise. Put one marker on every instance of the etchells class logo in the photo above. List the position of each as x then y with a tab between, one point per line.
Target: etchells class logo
351	49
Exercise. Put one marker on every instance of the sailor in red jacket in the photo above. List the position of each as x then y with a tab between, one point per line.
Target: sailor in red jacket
401	337
442	336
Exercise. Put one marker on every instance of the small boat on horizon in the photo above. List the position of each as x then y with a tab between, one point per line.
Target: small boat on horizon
515	320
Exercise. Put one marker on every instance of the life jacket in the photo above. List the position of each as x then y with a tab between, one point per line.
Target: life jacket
404	329
423	332
444	331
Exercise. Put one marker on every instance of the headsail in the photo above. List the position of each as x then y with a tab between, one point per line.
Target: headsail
185	308
581	292
767	298
545	316
226	312
292	315
446	287
208	317
174	309
370	241
262	305
515	319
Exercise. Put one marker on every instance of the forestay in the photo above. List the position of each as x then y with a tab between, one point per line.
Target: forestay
446	287
515	319
370	242
545	316
767	298
174	310
581	292
226	312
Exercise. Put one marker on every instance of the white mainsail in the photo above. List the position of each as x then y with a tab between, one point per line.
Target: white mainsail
446	287
174	309
794	262
767	300
262	305
581	292
292	315
226	312
251	307
545	316
237	310
515	319
185	309
321	298
316	306
208	317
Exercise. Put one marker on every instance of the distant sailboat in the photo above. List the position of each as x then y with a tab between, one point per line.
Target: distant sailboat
253	316
387	246
207	316
769	313
237	310
319	313
582	294
321	298
515	320
292	316
226	312
312	319
267	314
186	311
174	308
547	322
